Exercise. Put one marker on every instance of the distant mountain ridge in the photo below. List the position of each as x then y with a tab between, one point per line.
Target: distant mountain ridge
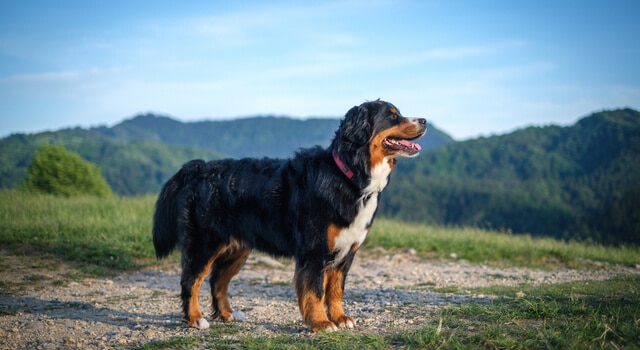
139	154
575	182
266	136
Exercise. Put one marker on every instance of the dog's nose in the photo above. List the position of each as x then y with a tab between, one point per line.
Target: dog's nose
422	121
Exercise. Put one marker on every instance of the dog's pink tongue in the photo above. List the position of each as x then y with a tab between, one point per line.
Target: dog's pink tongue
408	144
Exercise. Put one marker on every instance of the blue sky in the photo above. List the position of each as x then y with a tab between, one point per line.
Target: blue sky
470	67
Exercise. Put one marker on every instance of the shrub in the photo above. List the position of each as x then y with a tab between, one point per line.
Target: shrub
54	170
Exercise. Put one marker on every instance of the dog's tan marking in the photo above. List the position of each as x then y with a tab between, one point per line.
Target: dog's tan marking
233	259
332	234
312	309
333	298
377	153
195	314
410	129
312	306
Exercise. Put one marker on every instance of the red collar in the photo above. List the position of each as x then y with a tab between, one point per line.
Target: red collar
345	169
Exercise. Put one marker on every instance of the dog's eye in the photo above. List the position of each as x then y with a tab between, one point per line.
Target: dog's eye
394	116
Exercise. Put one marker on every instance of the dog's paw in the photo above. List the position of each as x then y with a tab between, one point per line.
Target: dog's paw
200	323
229	317
238	316
345	322
324	326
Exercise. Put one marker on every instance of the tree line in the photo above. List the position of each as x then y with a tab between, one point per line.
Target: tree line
579	182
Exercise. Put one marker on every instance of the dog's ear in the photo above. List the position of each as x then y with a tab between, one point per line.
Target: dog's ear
356	126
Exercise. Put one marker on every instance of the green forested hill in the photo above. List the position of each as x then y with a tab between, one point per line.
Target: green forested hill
135	167
248	137
138	155
577	182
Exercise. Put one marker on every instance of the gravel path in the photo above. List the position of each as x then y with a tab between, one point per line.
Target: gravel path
41	307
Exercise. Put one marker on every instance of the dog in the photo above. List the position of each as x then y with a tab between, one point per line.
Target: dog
316	208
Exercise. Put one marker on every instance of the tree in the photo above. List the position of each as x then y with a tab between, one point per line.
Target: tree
54	170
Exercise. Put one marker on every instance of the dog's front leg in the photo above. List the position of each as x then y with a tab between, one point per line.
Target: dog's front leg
335	278
310	281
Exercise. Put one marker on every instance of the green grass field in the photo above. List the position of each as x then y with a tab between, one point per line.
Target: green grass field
113	234
103	235
108	236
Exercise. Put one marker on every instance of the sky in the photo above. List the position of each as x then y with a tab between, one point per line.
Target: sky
471	68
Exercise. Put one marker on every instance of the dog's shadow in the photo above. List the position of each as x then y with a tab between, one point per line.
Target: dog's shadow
158	287
282	315
82	311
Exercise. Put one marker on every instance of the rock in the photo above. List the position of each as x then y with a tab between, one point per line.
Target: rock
411	251
268	261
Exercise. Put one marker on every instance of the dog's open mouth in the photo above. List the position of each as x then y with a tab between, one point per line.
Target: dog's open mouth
401	145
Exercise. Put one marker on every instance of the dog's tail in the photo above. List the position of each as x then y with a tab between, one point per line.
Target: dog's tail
173	207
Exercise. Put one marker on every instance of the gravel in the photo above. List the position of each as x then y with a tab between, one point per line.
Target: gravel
42	307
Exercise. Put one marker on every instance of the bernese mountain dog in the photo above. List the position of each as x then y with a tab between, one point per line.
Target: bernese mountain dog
316	208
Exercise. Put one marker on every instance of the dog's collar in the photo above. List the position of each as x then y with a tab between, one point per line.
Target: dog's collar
345	169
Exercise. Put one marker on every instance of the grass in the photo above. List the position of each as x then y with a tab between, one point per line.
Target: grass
577	315
481	246
604	315
103	235
114	234
106	236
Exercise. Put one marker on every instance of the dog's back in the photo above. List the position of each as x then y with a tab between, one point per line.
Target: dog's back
252	201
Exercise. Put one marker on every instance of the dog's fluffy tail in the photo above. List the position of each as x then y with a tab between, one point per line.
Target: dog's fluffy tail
173	207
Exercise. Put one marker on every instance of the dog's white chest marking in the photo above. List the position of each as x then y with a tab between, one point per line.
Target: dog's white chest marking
357	231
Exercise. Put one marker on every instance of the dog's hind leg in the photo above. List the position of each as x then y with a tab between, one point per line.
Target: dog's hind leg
224	268
196	265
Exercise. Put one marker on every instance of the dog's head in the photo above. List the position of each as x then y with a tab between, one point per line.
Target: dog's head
379	129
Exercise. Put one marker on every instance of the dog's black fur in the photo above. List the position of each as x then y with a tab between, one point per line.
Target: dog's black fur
219	211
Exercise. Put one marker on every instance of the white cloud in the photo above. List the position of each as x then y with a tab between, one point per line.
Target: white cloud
47	77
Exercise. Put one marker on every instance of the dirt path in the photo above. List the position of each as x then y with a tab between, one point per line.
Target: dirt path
44	305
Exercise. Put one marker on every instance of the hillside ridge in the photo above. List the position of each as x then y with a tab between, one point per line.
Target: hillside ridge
571	182
268	136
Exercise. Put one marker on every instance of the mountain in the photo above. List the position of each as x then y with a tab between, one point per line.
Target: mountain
577	182
266	136
138	155
130	168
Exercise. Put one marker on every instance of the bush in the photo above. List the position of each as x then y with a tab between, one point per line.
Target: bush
54	170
